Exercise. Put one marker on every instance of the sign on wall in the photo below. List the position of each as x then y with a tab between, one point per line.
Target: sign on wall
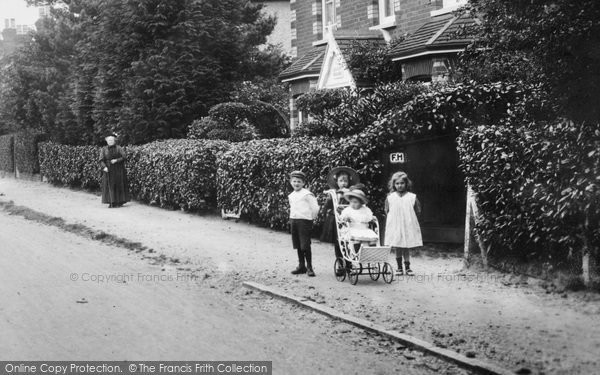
397	158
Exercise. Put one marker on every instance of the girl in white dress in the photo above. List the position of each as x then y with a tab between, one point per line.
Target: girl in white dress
402	230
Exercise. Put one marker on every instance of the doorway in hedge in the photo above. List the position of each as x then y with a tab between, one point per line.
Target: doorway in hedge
433	166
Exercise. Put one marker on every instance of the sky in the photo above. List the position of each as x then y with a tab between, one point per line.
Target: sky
18	10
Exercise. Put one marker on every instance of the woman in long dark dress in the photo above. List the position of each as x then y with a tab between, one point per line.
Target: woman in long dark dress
115	190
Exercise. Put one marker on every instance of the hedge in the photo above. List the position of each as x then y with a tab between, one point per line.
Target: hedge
175	173
538	188
7	161
343	112
178	174
449	109
255	175
26	152
75	166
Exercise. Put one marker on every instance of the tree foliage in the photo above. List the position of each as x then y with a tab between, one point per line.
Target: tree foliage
554	42
371	63
142	68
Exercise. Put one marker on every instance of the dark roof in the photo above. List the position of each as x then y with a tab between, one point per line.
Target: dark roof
442	32
309	63
345	39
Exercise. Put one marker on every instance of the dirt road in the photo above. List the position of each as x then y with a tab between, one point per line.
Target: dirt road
511	321
66	297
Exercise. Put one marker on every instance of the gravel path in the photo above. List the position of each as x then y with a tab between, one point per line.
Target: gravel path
59	301
511	321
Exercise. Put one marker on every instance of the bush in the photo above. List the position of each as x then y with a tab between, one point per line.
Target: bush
447	109
211	128
175	173
255	175
26	152
7	161
226	121
537	186
75	166
179	174
371	62
343	112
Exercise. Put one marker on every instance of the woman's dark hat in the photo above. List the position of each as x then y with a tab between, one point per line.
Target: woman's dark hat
298	174
359	186
335	172
358	194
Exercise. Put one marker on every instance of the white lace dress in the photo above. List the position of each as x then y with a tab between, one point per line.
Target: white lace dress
358	223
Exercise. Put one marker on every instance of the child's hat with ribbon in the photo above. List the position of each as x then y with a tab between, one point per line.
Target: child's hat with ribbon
358	194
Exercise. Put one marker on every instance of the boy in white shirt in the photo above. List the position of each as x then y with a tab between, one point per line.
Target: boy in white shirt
304	208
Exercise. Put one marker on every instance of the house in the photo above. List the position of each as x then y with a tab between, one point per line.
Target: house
321	30
11	39
321	33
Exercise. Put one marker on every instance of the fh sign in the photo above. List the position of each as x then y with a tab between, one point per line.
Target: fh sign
397	158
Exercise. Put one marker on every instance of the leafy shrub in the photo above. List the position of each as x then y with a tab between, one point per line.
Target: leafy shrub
370	62
255	175
26	152
344	112
268	105
173	173
537	186
447	109
75	166
7	162
226	121
211	128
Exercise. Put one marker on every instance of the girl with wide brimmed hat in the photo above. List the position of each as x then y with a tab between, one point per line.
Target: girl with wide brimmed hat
339	180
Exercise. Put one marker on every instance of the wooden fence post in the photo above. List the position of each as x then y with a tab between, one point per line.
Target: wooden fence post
468	218
472	217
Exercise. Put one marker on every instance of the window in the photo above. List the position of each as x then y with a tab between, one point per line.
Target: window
387	13
328	16
454	3
449	6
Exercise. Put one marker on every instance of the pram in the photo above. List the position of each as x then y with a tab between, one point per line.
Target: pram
363	256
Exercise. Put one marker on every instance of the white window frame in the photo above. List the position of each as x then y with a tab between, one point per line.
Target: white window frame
327	28
449	6
389	19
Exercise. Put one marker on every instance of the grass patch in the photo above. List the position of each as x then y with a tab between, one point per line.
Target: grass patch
78	229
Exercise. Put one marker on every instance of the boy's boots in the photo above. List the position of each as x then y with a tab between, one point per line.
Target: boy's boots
309	269
301	267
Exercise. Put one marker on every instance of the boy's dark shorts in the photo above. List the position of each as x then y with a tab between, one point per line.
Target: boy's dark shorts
301	230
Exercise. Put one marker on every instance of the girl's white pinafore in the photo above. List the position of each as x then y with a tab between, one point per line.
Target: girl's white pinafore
402	226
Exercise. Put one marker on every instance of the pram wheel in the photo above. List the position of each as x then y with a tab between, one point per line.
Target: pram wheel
353	275
339	269
388	273
374	271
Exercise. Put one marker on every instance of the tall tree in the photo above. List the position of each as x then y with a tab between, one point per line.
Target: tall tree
142	68
556	42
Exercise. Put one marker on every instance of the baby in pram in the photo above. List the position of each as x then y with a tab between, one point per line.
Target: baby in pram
359	217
